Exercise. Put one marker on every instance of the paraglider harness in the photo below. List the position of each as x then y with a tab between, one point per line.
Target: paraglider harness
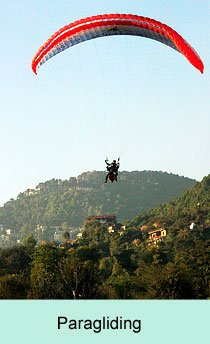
112	170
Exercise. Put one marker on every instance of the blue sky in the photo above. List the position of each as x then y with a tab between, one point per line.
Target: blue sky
118	95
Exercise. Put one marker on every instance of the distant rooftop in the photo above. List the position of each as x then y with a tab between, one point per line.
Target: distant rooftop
101	217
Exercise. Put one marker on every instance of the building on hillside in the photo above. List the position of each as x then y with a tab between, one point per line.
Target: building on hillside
58	234
148	228
110	221
61	235
8	231
79	235
117	227
106	220
156	235
30	192
8	237
192	225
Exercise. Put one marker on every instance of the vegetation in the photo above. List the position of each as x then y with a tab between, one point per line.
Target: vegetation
69	202
122	264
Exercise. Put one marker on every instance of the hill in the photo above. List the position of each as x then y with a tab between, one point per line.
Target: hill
123	263
71	201
192	206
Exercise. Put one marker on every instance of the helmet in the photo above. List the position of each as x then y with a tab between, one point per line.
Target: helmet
114	161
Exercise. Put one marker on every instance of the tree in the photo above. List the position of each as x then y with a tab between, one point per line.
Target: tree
79	275
13	287
29	243
66	235
14	260
45	279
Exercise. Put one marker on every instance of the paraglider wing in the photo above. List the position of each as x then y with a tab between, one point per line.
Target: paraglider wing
114	24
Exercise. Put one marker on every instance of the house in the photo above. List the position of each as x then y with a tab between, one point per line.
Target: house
117	227
30	192
107	220
156	235
192	225
147	228
58	234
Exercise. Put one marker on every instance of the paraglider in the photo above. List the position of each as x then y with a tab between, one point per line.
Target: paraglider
108	25
114	24
112	169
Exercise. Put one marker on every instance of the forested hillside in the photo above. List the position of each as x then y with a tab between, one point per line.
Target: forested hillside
71	201
193	206
123	264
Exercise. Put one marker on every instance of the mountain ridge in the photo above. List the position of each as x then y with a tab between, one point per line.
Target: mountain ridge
70	201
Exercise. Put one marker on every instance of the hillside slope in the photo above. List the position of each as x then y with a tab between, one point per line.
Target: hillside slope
122	264
71	201
192	206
